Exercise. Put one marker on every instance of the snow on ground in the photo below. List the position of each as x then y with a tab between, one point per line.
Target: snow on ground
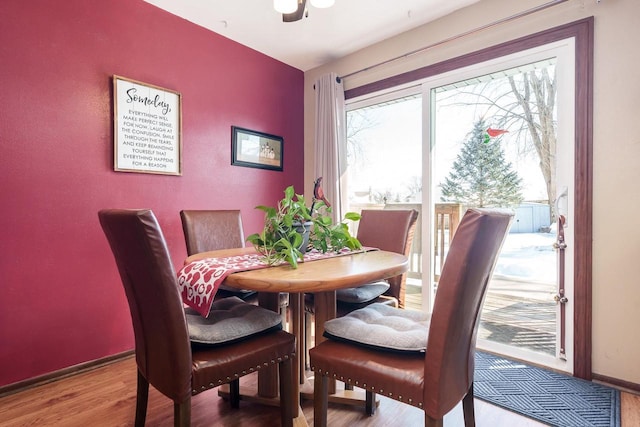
528	256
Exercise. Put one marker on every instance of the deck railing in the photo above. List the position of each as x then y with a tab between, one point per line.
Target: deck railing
446	219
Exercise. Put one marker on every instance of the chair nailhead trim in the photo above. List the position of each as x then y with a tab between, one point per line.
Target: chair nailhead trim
364	386
236	375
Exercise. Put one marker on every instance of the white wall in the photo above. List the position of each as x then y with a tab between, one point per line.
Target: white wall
616	142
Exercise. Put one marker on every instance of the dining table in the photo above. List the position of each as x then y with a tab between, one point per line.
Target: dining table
320	276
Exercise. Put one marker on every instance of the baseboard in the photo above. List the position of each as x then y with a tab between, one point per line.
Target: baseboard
617	383
63	373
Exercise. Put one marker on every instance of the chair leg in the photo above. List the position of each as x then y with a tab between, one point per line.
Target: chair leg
288	411
182	413
234	393
432	422
468	409
284	318
308	319
370	403
320	400
142	399
284	313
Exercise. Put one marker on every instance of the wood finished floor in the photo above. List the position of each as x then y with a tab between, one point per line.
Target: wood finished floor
106	397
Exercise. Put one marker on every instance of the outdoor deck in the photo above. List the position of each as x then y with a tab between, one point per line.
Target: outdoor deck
519	309
515	313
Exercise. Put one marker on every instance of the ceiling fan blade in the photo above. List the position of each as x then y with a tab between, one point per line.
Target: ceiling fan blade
298	14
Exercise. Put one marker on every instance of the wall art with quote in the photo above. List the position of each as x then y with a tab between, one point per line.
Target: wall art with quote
147	128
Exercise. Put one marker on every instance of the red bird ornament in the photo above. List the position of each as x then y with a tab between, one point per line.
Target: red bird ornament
318	192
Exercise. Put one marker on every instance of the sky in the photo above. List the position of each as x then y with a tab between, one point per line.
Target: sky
392	141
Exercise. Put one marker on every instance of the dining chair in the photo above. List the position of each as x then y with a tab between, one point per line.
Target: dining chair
210	230
388	230
426	362
178	351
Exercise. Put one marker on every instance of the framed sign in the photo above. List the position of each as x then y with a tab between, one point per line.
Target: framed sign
147	128
256	149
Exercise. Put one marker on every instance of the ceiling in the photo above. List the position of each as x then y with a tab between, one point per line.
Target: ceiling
323	36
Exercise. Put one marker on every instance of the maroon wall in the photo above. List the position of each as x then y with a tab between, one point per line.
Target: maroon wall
61	301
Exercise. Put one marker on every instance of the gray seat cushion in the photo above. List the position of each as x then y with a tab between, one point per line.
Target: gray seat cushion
382	327
362	294
230	320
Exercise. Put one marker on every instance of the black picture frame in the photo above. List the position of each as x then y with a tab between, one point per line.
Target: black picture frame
253	149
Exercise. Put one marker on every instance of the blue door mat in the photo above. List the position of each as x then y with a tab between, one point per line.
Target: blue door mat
546	396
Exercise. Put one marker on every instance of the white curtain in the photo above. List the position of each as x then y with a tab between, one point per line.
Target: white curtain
330	153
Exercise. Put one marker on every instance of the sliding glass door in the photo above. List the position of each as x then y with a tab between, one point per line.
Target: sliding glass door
502	135
384	156
495	134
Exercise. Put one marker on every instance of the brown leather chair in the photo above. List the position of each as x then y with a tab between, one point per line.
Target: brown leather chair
436	373
165	356
210	230
388	230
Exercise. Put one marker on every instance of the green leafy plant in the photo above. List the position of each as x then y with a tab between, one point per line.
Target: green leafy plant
327	236
286	225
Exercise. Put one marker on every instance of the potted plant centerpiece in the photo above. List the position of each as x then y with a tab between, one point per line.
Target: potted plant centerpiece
291	227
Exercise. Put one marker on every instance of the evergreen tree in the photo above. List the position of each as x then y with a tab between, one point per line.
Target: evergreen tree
481	176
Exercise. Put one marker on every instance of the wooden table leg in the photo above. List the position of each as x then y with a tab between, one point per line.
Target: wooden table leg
297	322
324	307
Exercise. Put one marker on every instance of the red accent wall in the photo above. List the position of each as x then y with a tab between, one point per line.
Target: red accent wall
61	300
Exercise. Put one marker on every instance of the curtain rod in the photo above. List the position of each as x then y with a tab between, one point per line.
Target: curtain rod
459	36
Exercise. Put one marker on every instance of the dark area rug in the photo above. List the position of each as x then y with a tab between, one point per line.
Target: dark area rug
545	396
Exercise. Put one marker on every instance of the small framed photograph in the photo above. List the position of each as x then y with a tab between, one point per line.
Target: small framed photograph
254	149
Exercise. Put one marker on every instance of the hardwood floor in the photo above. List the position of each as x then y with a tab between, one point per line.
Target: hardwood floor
106	397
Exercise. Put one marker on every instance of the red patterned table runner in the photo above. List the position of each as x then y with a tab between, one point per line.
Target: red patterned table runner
199	280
